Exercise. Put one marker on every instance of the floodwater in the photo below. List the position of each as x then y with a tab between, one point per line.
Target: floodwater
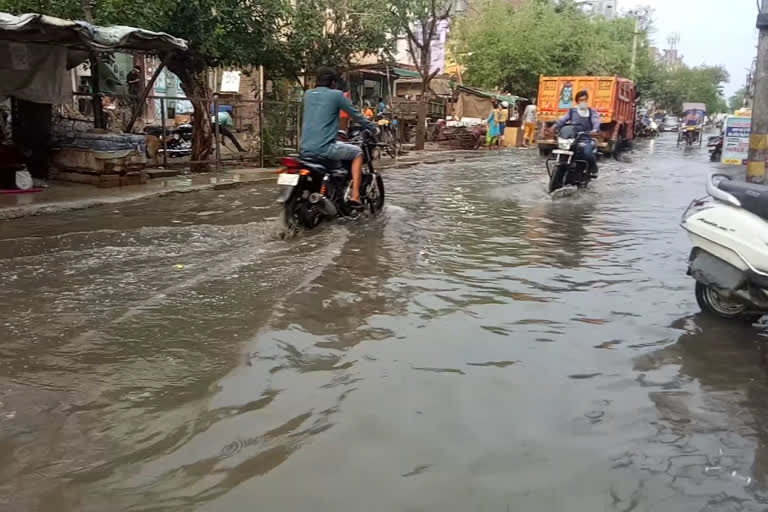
477	347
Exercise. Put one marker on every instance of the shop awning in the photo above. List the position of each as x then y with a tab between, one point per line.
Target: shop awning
79	35
511	99
406	73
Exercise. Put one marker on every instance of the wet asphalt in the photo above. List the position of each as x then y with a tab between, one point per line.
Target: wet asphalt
478	346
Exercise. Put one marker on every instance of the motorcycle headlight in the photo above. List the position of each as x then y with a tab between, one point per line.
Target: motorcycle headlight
564	144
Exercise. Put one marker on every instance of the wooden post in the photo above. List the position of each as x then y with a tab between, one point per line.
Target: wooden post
758	138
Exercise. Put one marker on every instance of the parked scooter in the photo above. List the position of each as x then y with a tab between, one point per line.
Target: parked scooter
715	147
729	259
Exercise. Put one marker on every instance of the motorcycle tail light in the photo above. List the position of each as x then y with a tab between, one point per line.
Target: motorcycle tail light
304	172
290	163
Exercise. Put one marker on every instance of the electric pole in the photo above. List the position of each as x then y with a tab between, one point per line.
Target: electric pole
758	138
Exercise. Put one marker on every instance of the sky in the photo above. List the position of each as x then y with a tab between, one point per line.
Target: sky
711	32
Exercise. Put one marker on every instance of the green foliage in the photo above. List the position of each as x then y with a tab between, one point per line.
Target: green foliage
702	84
508	47
331	33
736	101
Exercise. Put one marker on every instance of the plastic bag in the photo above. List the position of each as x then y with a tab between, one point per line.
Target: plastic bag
23	180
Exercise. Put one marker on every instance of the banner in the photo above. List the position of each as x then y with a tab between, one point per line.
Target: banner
736	140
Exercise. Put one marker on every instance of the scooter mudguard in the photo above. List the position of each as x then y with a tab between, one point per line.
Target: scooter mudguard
715	272
285	193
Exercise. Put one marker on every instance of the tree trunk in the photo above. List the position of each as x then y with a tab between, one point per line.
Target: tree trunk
421	122
195	86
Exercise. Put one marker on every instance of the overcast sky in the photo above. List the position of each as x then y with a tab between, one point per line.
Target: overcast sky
711	32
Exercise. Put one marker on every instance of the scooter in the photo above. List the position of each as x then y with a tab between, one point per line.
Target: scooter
729	259
715	147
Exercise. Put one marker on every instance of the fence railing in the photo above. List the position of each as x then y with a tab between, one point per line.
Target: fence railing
244	129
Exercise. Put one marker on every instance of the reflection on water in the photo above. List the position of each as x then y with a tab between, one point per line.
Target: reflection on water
477	346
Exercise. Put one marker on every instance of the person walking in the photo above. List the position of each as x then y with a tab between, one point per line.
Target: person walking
502	117
529	120
492	134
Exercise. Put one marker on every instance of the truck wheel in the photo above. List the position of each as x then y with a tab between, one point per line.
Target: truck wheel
618	147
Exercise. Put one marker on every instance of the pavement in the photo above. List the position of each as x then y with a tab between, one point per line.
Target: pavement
65	196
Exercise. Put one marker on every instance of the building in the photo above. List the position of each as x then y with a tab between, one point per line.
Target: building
606	8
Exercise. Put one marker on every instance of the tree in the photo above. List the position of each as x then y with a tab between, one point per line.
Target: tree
508	47
219	33
736	101
420	21
698	84
331	33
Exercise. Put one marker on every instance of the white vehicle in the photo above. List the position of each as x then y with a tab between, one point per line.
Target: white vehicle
729	259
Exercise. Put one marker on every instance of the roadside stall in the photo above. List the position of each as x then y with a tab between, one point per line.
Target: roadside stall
471	107
37	54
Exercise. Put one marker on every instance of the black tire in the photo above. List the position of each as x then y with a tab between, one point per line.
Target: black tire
715	304
557	180
376	199
714	156
618	148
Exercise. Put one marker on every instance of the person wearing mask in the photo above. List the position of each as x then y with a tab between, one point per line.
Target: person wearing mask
321	124
529	129
587	120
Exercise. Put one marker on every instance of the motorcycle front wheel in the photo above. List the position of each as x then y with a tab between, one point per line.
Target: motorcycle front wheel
375	198
557	180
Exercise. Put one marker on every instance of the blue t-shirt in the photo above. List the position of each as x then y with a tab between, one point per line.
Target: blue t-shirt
321	119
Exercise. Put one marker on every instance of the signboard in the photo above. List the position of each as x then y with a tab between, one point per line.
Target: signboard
736	140
230	81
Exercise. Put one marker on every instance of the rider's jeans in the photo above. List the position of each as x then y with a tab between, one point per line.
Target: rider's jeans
589	154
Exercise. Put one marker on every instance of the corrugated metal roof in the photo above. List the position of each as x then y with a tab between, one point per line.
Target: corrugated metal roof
79	35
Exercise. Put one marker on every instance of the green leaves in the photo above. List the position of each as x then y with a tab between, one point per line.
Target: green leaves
508	47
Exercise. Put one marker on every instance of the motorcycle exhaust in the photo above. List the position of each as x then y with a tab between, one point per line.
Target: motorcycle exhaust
324	204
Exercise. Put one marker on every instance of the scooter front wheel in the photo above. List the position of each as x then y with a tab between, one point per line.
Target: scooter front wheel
712	302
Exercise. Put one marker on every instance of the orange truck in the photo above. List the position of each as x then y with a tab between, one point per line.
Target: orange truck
611	96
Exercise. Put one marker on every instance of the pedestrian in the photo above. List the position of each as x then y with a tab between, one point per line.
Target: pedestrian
135	86
343	116
381	107
529	120
492	134
502	117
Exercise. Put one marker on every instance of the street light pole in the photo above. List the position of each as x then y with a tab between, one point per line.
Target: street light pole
758	138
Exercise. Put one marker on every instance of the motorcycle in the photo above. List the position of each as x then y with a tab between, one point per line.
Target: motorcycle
567	168
715	147
178	140
729	259
313	189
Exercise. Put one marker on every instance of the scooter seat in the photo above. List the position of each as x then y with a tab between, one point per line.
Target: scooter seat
753	198
315	160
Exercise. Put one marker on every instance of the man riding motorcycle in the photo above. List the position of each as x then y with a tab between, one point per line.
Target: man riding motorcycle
586	120
321	125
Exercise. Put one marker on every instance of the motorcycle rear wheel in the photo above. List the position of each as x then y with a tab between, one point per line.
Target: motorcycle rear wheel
713	303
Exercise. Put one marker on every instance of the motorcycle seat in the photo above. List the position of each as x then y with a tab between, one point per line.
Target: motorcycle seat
753	197
318	161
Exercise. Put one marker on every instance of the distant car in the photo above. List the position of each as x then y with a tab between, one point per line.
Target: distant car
670	124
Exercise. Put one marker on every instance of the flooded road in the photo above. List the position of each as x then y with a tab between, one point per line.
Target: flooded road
476	347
